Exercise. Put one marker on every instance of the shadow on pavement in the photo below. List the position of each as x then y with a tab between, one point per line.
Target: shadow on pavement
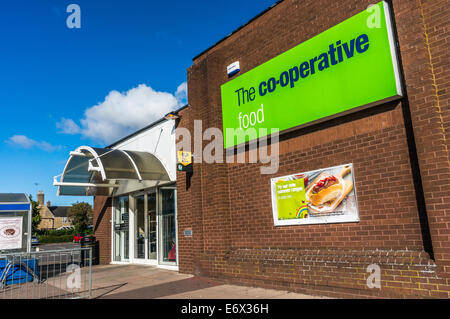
163	290
96	293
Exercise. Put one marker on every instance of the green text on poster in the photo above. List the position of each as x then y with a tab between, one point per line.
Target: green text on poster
291	199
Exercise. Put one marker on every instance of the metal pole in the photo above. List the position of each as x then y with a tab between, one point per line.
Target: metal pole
90	272
1	282
12	277
26	282
3	286
72	285
20	276
60	271
40	276
30	220
54	275
34	261
46	279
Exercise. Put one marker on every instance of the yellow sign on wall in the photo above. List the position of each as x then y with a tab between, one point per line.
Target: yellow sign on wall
185	158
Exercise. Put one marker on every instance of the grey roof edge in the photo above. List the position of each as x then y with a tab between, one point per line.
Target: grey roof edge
145	128
236	30
59	211
15	201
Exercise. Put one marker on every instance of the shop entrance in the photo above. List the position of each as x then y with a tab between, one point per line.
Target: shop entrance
145	231
145	227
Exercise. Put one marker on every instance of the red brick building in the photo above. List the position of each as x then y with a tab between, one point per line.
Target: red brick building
399	151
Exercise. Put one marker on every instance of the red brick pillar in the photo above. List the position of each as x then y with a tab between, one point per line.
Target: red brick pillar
189	186
424	47
102	227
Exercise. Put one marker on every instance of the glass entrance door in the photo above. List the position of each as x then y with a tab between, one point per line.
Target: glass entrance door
140	228
167	229
151	222
150	234
145	230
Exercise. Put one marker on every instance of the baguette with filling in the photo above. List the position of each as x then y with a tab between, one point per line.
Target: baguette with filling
327	191
326	194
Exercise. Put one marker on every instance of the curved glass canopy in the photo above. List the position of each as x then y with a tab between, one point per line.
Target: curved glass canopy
98	171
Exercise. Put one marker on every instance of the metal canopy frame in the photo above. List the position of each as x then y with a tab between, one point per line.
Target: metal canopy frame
98	171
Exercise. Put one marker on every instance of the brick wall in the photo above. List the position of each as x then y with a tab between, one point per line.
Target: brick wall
102	227
427	69
400	156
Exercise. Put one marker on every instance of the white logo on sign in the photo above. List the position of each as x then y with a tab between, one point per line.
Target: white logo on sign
374	19
374	279
73	20
74	278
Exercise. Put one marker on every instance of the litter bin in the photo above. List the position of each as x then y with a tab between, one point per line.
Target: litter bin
89	242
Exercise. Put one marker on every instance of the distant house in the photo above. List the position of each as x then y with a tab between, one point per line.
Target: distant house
52	217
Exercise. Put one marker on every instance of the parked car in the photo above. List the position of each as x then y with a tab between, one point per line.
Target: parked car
77	238
88	239
34	241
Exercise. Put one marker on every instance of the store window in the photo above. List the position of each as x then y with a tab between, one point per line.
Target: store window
151	215
168	253
121	229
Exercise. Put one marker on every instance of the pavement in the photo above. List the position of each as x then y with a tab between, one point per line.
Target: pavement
148	282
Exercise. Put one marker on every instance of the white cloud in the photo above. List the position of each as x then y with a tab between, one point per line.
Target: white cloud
28	143
181	94
68	126
123	113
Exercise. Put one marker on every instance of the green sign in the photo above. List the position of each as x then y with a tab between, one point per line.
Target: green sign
291	199
348	67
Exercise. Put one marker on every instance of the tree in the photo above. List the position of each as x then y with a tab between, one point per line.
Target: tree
80	215
36	216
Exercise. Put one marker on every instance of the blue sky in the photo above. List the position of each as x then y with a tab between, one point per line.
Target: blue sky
56	82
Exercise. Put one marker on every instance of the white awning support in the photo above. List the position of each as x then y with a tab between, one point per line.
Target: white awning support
74	153
56	183
134	165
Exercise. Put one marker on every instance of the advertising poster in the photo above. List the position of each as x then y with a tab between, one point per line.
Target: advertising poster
316	197
10	233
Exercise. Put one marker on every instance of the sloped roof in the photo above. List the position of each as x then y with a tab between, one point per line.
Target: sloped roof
59	211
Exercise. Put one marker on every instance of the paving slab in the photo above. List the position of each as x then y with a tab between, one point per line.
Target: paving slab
149	282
